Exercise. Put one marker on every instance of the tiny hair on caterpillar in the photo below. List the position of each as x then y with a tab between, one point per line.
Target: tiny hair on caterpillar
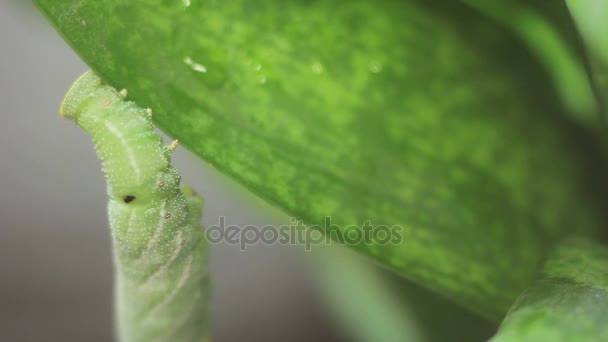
159	246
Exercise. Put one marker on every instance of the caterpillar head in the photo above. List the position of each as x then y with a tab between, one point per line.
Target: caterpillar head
135	159
81	90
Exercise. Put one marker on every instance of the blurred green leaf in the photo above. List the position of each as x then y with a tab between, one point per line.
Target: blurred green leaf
548	41
569	303
368	308
591	17
374	305
416	114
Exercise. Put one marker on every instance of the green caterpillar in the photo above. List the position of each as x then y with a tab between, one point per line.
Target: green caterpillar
160	250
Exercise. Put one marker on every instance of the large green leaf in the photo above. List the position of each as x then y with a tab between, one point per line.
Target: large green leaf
419	114
569	303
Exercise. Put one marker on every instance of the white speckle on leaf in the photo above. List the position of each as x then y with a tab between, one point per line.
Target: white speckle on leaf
194	65
375	67
317	68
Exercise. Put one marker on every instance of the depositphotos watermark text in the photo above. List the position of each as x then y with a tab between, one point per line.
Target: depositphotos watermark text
297	233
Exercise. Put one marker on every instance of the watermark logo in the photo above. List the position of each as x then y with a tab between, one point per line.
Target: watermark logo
297	233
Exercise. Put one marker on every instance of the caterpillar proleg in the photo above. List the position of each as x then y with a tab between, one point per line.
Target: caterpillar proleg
160	250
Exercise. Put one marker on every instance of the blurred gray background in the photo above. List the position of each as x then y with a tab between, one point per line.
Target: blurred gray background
55	261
